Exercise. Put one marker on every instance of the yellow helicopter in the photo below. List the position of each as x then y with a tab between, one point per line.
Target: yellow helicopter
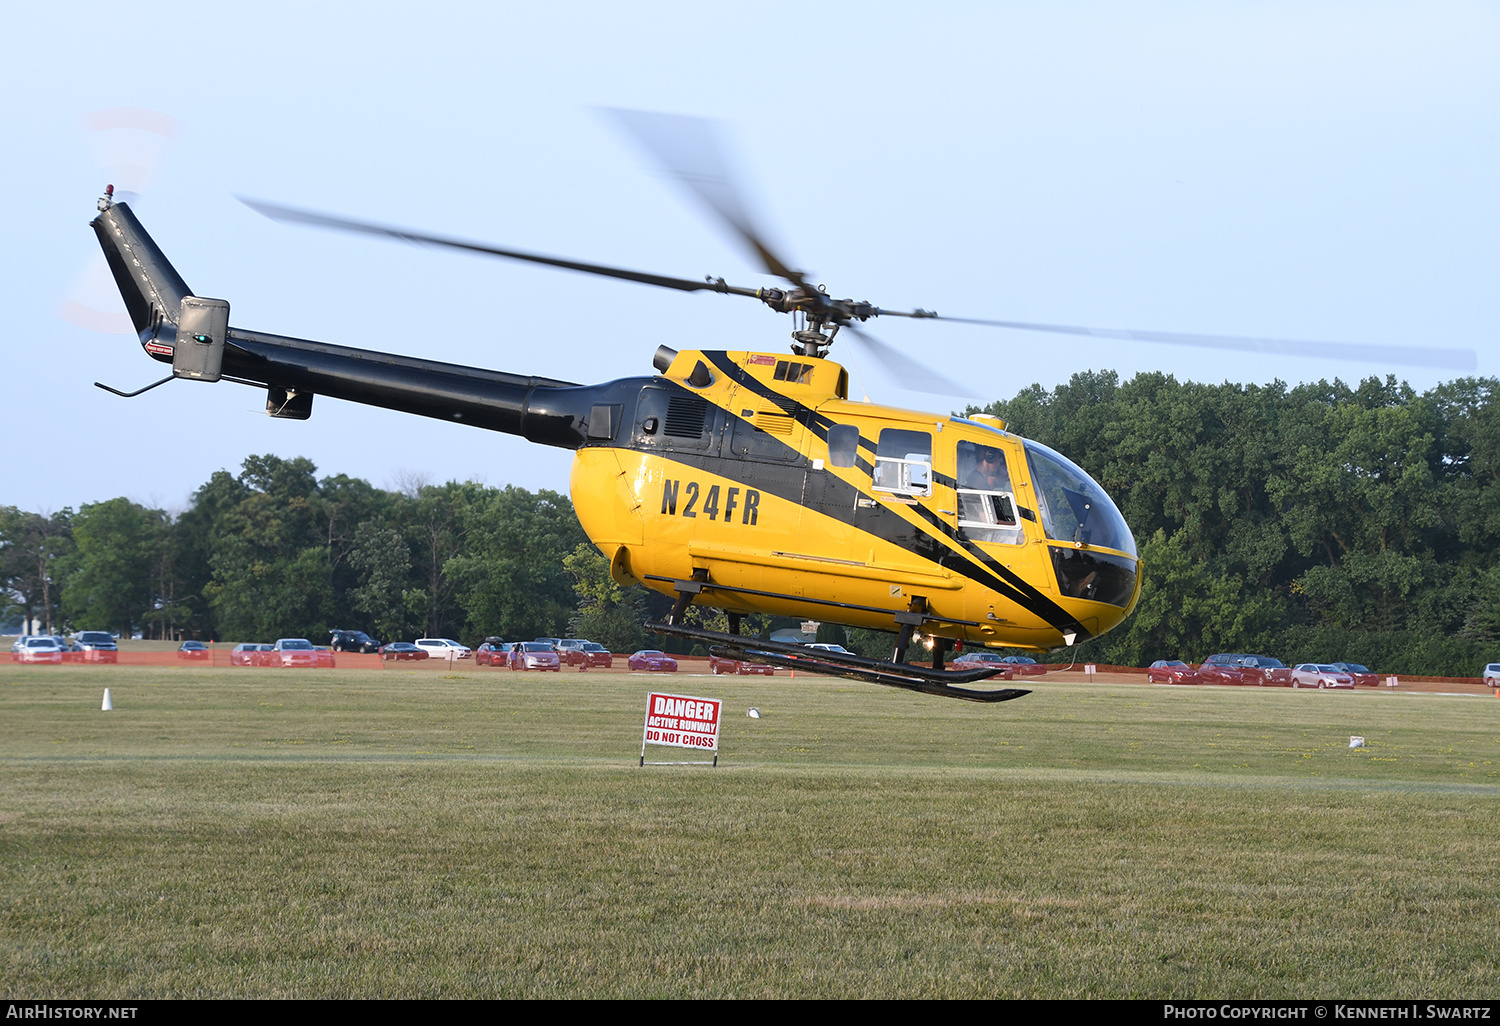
745	481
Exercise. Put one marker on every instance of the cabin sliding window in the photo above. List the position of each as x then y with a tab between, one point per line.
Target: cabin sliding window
986	500
903	462
843	445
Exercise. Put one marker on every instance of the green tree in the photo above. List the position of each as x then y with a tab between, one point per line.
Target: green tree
381	562
509	576
110	574
33	551
607	613
270	568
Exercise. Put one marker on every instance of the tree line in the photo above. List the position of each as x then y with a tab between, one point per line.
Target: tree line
275	551
1317	522
1320	522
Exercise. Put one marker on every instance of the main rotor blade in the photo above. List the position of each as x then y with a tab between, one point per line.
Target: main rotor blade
1415	356
908	373
690	151
310	217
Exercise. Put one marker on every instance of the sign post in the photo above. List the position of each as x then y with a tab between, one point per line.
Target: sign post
682	721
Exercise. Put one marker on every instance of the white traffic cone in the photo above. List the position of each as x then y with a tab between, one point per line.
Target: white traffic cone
108	706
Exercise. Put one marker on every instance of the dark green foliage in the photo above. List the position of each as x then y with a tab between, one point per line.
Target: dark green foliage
1316	522
509	575
112	569
607	613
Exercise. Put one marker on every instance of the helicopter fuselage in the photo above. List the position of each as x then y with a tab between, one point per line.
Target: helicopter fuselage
724	471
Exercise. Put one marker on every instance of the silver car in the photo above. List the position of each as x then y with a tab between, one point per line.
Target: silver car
1320	675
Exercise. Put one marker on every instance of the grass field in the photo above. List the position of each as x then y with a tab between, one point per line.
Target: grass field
295	833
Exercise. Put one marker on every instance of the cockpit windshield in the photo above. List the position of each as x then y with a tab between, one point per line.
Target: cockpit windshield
1073	506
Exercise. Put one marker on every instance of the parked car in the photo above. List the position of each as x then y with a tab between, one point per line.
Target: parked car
443	648
979	657
827	646
1492	674
397	650
599	656
494	652
1320	675
96	647
653	661
324	658
534	655
39	650
1171	671
1238	668
293	652
554	642
194	650
721	664
1025	665
1363	676
353	641
70	651
250	654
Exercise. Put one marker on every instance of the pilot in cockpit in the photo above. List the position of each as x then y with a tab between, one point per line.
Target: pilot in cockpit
989	473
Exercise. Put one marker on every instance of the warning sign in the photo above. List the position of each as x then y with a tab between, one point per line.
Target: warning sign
682	721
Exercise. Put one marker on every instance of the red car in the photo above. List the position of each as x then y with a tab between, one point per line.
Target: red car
323	658
1171	671
653	661
1025	666
494	652
1236	668
719	664
1363	676
979	657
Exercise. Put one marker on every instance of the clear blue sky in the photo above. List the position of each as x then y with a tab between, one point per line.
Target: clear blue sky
1307	170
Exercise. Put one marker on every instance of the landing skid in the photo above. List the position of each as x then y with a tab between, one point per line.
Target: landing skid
839	664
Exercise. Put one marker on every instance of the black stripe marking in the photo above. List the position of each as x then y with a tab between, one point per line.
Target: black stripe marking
990	573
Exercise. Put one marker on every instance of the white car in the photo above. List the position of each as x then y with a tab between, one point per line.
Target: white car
443	648
1320	675
1492	673
40	650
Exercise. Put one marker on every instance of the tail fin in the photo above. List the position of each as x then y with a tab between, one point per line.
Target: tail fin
152	289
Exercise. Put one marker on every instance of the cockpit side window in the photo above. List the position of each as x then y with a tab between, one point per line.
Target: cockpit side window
843	445
903	462
986	501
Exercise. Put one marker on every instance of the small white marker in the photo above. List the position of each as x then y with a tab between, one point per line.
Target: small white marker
1355	741
108	706
754	713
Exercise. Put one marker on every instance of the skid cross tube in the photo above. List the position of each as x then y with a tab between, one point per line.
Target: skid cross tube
755	648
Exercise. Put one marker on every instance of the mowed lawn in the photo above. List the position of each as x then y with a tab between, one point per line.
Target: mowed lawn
486	834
